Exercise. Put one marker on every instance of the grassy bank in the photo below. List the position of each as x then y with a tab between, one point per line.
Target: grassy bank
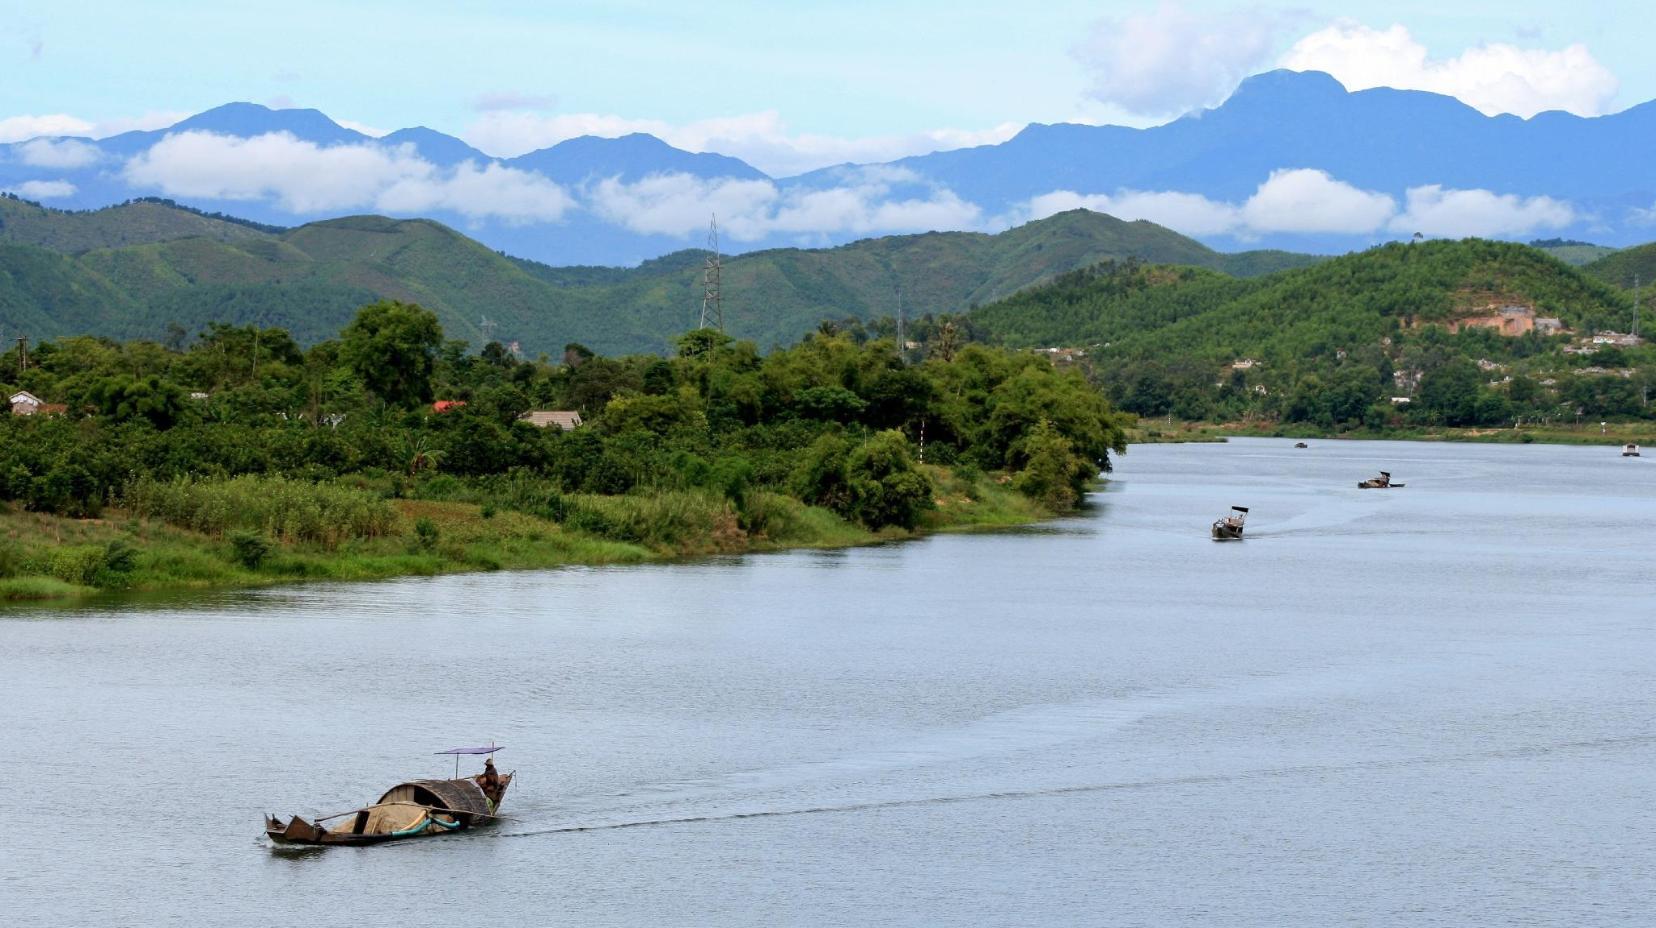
1612	434
225	536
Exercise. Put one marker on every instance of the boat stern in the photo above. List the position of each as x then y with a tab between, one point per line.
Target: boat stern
293	831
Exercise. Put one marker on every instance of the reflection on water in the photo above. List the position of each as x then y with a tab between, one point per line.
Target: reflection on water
1429	705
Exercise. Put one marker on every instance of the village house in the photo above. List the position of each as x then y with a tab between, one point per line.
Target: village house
1617	339
566	419
24	403
1244	364
1062	356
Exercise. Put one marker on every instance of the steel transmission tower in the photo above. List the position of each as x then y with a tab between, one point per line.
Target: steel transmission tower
712	313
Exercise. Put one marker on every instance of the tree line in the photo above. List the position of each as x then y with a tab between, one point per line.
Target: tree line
832	421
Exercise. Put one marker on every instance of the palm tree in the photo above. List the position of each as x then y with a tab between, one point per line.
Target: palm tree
421	455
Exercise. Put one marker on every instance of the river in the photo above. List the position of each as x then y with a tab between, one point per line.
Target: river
1433	705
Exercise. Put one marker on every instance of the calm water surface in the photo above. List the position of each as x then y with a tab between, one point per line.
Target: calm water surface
1428	706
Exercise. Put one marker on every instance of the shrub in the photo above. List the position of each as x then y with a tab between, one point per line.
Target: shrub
249	548
425	533
886	488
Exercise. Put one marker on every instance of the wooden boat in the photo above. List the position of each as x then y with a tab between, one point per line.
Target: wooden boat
1382	482
1229	528
408	810
1630	450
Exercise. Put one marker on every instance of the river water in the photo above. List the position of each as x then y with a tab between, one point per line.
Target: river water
1426	706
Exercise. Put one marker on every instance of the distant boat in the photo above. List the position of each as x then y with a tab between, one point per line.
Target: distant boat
413	809
1382	482
1229	528
1630	450
1301	444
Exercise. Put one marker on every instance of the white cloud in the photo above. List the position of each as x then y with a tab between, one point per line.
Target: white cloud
303	177
678	204
749	210
760	139
1493	78
490	191
1307	200
1432	210
1190	213
44	189
1170	60
62	153
1295	200
20	128
363	128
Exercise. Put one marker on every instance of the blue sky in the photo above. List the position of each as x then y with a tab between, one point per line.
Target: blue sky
787	85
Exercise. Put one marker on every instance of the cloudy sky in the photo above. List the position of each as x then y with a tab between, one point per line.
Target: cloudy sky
787	86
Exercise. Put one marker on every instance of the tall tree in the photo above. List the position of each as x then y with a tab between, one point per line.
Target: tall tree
392	346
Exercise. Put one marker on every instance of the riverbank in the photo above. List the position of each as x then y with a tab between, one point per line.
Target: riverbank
47	557
1162	431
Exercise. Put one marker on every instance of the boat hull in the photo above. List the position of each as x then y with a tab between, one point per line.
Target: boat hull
390	819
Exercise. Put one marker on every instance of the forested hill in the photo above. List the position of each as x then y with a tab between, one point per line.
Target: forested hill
1344	302
148	268
1623	268
1334	342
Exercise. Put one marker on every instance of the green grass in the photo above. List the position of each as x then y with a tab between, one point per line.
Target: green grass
23	589
46	557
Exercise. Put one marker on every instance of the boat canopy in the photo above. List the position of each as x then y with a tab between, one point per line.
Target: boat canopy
488	750
448	795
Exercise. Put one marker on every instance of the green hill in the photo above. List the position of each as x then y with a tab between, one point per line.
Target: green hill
1574	253
1620	269
1343	302
154	266
136	223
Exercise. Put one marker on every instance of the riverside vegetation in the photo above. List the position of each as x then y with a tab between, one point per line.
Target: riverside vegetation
388	451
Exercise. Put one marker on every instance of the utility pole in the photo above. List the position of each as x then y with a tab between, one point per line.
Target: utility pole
22	353
712	311
1635	306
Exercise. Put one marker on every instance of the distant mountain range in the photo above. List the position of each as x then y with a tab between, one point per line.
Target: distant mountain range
1291	161
141	269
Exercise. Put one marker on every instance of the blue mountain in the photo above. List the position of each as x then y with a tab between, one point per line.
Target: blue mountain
629	157
1380	140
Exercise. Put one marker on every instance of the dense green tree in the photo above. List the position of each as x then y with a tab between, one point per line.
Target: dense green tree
392	348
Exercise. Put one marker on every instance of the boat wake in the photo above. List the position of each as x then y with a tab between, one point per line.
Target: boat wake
1303	770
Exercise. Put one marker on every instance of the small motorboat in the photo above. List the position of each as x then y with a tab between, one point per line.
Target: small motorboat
1630	450
1382	482
408	810
1301	444
1229	528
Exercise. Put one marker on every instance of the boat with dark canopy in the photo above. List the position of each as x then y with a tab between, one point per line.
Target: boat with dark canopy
413	809
1382	482
1229	528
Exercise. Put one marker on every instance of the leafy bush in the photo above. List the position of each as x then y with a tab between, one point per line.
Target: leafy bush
886	488
249	548
425	533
